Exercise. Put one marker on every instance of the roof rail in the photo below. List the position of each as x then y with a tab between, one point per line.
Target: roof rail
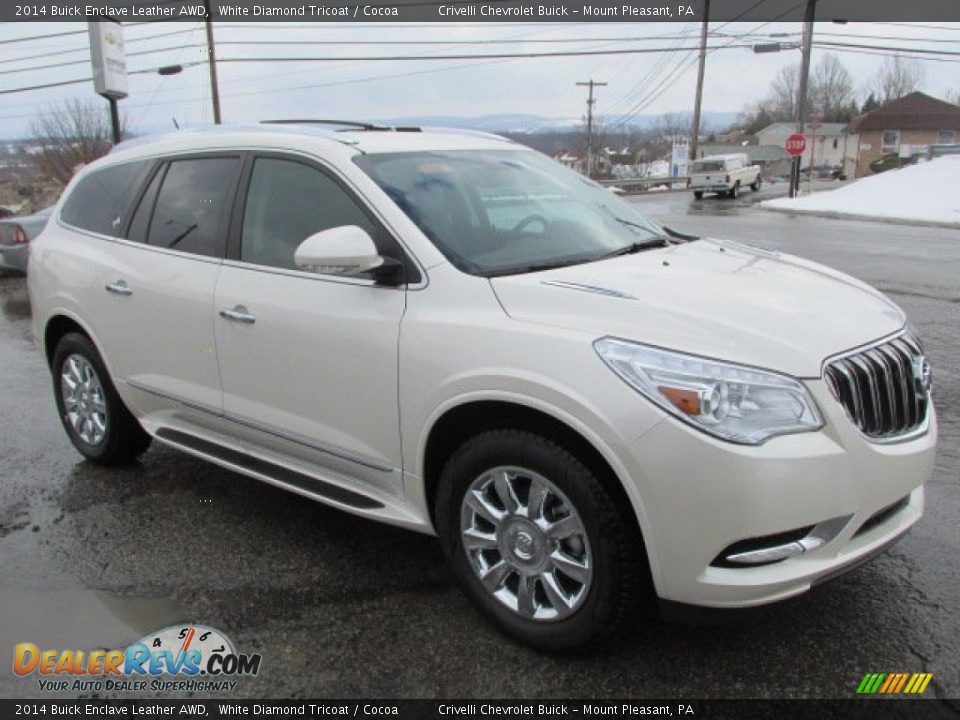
213	129
345	123
467	131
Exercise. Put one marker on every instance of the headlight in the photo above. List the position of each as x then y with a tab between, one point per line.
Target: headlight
733	402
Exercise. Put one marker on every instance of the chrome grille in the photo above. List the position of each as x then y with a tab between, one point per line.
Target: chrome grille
882	387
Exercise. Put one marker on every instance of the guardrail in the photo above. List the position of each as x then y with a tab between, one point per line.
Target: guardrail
639	185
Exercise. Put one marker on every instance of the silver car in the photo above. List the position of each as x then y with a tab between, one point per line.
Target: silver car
15	236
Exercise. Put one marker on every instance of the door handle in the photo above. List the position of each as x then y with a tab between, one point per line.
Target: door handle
118	288
238	314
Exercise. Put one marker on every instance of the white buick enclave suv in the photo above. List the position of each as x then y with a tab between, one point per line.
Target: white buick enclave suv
452	333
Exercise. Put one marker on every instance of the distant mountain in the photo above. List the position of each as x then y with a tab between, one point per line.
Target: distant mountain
514	123
520	123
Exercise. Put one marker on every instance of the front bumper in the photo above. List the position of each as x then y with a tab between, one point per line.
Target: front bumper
14	257
701	495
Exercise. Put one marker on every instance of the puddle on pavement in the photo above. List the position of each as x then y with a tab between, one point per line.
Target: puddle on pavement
81	619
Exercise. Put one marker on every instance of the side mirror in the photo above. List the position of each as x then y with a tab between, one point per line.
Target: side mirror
345	250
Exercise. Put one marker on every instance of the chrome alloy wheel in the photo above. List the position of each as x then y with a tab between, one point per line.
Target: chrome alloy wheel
526	543
84	402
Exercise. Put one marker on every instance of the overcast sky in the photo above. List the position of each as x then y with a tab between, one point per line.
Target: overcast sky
370	90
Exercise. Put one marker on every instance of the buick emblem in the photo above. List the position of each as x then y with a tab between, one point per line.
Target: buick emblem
922	374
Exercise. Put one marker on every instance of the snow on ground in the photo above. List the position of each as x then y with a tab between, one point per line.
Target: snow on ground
925	194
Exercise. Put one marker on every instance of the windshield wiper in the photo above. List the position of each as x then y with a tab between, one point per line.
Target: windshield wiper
631	223
657	241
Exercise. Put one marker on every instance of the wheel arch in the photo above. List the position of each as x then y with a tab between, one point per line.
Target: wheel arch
58	325
455	423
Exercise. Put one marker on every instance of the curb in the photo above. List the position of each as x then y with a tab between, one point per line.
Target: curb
869	218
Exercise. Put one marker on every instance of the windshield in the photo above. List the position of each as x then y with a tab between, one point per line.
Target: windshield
497	212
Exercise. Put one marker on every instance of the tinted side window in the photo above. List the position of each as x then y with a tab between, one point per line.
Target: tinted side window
189	212
286	203
100	199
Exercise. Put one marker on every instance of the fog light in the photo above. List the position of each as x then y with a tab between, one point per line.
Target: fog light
769	549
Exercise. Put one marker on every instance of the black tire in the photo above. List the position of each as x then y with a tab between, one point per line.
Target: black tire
755	185
698	194
620	588
124	439
734	192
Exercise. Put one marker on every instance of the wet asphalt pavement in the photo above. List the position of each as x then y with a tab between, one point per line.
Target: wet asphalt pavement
339	606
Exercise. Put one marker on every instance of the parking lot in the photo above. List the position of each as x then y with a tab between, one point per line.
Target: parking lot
337	606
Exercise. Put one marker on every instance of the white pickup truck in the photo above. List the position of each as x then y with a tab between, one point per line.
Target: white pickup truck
723	174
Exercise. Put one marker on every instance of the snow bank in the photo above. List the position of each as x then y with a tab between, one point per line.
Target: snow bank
925	194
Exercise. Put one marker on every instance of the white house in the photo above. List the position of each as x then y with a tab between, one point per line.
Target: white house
827	142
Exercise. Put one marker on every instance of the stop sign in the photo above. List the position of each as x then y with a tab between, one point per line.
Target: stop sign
795	144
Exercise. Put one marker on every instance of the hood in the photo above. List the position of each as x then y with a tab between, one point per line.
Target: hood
713	298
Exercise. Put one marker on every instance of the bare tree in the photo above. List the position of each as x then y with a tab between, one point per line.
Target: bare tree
898	76
673	125
831	89
69	137
782	103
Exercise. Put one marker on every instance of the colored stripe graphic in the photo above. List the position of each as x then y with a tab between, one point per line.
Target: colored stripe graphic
894	683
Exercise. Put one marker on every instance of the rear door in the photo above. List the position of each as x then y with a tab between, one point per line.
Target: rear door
308	361
156	288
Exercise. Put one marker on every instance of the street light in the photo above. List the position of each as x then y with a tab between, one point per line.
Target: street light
775	47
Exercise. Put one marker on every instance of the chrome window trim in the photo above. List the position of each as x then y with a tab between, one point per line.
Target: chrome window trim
368	203
140	245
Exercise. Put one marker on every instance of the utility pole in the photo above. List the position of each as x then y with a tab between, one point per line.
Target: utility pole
212	60
114	120
590	101
801	113
695	130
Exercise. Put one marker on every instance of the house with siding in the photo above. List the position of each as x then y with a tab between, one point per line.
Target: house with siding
826	143
900	126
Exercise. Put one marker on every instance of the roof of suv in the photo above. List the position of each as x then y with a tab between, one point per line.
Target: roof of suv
370	139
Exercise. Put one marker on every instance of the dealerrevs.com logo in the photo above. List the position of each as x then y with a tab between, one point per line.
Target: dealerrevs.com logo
191	658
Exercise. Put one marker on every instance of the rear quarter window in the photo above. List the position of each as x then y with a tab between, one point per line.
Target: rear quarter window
100	199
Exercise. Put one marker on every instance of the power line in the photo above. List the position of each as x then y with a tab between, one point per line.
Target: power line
920	25
324	42
339	64
77	81
63	34
878	53
919	51
653	72
395	58
888	37
85	48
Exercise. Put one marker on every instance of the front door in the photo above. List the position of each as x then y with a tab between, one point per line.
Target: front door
308	361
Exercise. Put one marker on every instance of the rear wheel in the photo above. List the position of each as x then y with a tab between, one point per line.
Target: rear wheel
537	541
95	418
755	185
698	194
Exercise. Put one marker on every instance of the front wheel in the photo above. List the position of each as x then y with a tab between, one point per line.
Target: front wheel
537	541
95	418
698	194
734	192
